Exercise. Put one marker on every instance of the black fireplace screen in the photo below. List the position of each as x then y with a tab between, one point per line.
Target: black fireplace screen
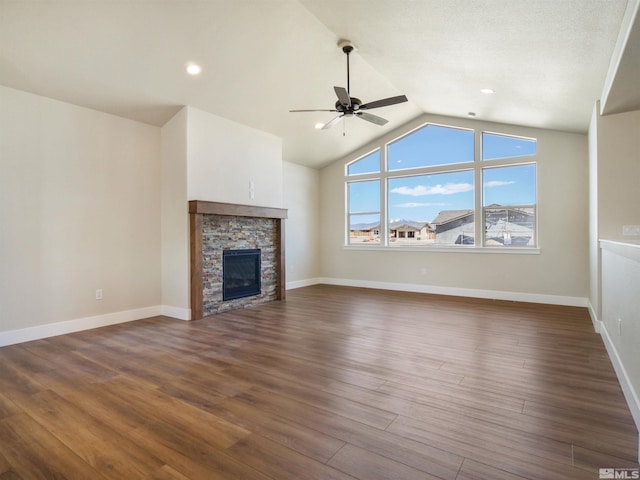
240	273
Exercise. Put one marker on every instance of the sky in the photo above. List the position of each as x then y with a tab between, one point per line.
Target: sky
421	197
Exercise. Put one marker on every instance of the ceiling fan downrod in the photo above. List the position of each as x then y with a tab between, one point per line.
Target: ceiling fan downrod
347	48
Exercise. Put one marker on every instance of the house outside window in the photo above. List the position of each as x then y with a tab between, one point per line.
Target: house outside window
445	186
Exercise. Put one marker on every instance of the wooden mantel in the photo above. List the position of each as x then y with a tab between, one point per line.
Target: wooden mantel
217	208
198	208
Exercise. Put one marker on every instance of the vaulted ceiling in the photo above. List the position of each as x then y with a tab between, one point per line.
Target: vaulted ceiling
547	61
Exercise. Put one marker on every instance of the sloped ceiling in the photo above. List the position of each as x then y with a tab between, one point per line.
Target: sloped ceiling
622	86
546	60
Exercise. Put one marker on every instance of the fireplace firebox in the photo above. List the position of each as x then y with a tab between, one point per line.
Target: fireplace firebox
241	273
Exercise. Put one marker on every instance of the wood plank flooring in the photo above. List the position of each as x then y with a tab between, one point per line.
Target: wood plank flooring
335	383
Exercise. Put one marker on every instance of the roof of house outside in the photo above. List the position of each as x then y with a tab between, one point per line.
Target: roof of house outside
519	209
447	216
407	223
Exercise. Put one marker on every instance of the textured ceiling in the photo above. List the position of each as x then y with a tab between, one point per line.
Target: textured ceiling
546	59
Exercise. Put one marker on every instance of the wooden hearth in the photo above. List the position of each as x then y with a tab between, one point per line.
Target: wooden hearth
198	210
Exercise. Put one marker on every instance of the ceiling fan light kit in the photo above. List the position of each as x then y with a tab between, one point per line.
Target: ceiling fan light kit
348	106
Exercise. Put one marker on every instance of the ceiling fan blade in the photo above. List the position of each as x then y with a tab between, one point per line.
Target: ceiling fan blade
343	95
384	102
372	118
332	122
312	110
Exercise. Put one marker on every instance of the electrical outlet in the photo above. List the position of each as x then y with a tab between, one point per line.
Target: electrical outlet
99	294
631	230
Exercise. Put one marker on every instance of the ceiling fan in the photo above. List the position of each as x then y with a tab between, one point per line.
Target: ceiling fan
348	106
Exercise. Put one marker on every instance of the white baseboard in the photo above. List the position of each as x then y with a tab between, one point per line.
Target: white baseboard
175	312
11	337
303	283
597	324
461	292
630	394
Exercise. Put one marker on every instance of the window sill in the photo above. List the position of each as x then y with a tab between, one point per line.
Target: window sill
489	250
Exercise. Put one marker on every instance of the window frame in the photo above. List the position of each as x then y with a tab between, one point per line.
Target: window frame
478	166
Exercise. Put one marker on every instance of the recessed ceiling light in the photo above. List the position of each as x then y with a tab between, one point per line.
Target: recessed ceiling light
193	69
488	91
319	125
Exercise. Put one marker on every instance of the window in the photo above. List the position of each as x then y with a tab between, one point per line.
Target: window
429	188
509	208
429	146
367	164
364	211
444	201
496	146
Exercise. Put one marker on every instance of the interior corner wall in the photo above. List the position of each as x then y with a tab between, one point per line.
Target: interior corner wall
302	227
79	211
594	248
559	272
174	217
232	163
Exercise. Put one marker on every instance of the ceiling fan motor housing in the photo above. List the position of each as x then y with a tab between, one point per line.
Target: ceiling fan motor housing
349	109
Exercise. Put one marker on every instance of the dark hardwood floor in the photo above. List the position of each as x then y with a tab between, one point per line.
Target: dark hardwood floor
334	383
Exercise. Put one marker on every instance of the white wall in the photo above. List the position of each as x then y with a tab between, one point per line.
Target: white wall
618	173
594	247
302	227
223	157
175	218
559	274
79	196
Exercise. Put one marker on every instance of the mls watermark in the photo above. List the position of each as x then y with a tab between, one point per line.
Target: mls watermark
625	473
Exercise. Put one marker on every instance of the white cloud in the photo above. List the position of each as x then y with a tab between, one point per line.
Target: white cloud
498	183
447	189
418	204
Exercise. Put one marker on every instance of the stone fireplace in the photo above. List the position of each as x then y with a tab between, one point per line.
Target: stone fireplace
219	229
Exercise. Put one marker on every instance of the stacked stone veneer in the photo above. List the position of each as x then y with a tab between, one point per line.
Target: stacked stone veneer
222	232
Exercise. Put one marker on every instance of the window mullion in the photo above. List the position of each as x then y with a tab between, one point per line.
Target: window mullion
478	198
347	217
384	221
